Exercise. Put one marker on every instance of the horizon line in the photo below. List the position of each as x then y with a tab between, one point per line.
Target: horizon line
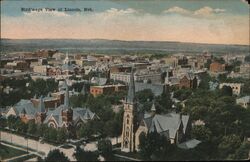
121	40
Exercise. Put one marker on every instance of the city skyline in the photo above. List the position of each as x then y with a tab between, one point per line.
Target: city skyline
209	22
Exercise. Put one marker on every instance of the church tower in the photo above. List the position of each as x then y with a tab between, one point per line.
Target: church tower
67	112
129	119
41	113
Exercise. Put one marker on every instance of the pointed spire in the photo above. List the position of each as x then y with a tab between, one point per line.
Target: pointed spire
66	95
41	106
83	90
153	109
131	90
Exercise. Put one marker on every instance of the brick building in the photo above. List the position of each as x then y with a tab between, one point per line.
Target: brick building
217	67
107	89
188	81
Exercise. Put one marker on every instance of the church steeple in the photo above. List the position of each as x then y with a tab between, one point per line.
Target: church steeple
41	112
41	106
129	118
131	90
153	109
66	96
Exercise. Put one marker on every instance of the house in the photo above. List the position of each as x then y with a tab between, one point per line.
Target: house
236	87
188	81
243	101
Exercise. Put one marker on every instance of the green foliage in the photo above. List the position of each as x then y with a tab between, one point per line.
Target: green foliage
144	95
3	122
82	155
164	102
201	132
56	155
205	78
62	135
182	94
223	120
32	127
241	153
105	148
154	146
228	145
78	100
86	130
42	87
20	91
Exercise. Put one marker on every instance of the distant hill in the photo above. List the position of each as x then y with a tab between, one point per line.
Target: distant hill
115	46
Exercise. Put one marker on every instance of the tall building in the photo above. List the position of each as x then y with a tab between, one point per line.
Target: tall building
129	119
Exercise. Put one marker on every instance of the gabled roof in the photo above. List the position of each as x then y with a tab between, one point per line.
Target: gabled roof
168	122
78	113
25	106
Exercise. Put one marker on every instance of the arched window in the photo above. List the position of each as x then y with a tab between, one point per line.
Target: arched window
127	121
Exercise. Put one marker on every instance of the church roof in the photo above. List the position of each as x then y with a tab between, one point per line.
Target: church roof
25	106
82	113
168	122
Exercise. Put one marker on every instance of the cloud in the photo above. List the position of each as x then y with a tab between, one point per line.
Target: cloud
207	11
177	10
116	12
204	11
44	12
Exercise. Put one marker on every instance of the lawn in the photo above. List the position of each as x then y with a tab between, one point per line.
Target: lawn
8	152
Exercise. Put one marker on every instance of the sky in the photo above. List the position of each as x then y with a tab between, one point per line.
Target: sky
198	21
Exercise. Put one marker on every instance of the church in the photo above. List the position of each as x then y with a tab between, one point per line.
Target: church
64	116
175	127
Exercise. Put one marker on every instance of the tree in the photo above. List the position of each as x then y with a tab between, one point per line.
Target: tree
61	135
22	127
242	153
154	146
201	132
82	155
56	155
144	95
228	145
3	122
164	101
85	130
32	127
105	148
51	134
